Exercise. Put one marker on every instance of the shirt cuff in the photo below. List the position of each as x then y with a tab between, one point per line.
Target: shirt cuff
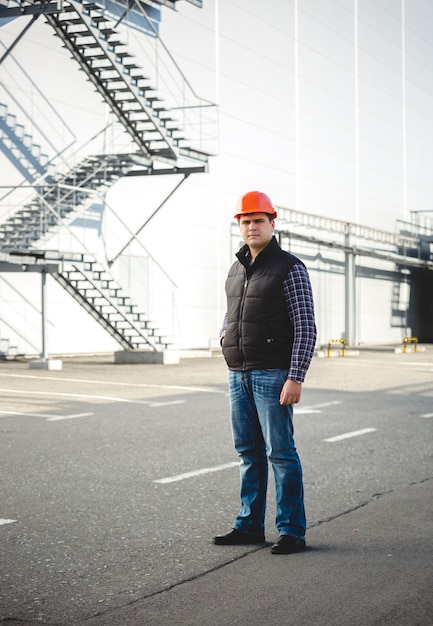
296	374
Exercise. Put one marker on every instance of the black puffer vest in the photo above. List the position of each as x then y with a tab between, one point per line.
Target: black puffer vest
259	332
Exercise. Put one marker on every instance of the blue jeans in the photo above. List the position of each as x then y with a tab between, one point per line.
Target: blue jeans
262	430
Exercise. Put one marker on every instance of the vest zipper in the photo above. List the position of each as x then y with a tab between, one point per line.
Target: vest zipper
241	312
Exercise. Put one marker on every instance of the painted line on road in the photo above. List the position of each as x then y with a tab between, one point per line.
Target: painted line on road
56	418
412	363
6	521
354	433
109	383
427	415
315	408
205	470
50	417
148	403
73	395
168	403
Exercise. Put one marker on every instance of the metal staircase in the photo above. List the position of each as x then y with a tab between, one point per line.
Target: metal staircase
93	287
19	147
58	203
89	35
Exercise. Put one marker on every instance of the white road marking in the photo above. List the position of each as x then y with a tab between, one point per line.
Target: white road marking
116	383
91	397
51	417
427	415
74	395
6	521
413	363
26	414
168	403
205	470
354	433
56	418
316	408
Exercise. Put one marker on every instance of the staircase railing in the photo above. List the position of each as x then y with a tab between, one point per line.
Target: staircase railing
198	114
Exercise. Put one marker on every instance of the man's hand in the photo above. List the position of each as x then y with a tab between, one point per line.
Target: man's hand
291	392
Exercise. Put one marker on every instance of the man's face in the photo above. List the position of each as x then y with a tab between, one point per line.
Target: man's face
256	230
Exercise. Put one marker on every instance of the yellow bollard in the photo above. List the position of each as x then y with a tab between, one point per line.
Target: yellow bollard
343	343
343	349
412	340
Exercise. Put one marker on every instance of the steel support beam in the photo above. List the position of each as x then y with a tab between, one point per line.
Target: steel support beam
350	295
19	37
50	268
44	314
34	8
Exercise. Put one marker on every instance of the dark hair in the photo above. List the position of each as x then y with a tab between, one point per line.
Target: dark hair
270	216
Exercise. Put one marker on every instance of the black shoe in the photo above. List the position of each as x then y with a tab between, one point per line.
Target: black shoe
237	538
287	544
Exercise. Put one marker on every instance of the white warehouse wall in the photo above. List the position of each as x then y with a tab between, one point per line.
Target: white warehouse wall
325	106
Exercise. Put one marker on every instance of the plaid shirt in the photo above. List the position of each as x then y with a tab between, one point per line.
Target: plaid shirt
300	307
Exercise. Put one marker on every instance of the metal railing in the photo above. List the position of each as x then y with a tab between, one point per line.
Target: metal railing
342	227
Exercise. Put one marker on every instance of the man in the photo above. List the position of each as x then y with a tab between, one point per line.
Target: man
268	339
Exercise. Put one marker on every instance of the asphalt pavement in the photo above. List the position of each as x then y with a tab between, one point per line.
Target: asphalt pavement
370	566
114	478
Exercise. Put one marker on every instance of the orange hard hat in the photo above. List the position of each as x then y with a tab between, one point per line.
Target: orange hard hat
254	202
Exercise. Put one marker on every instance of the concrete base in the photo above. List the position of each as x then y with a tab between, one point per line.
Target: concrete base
166	357
48	364
410	348
322	354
